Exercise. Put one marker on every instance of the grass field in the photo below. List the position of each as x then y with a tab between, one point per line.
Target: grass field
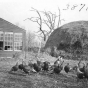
42	80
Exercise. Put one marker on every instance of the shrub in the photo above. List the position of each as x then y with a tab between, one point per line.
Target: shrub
64	46
77	45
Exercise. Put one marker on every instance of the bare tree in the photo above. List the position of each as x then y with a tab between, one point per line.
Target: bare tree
38	20
49	19
30	39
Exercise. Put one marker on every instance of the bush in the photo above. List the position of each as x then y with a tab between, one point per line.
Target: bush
63	46
77	45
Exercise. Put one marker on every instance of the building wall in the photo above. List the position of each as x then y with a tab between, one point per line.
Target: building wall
8	27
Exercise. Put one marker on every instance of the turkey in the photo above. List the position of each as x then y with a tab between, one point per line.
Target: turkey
60	58
57	63
67	68
14	68
80	70
57	69
86	71
45	66
81	66
80	74
21	66
26	69
37	67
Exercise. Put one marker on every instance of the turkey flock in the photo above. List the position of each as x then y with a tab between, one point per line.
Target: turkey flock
81	69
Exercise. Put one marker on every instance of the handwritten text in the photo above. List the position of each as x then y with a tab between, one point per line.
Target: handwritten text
73	7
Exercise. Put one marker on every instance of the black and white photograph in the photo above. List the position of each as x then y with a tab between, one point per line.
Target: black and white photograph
43	44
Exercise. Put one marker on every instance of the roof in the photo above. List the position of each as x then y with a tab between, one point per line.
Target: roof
5	25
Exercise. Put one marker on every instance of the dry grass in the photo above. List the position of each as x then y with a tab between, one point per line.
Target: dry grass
42	80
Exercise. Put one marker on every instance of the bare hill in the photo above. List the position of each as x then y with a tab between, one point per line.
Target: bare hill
64	32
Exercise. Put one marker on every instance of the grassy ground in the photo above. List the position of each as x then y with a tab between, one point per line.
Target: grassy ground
42	80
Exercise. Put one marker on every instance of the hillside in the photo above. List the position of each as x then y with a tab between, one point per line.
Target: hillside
65	32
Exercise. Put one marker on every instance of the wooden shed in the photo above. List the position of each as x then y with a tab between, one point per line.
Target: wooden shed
12	39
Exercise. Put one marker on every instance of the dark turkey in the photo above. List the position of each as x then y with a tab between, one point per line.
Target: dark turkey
67	68
82	69
58	69
26	69
45	66
21	66
37	67
86	71
14	68
80	74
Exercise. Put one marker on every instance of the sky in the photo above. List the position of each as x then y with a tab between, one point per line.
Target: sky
16	11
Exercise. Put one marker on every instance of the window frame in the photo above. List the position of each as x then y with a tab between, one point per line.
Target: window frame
19	40
8	41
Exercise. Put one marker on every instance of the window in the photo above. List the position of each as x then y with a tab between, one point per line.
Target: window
17	41
1	40
18	37
8	41
17	46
